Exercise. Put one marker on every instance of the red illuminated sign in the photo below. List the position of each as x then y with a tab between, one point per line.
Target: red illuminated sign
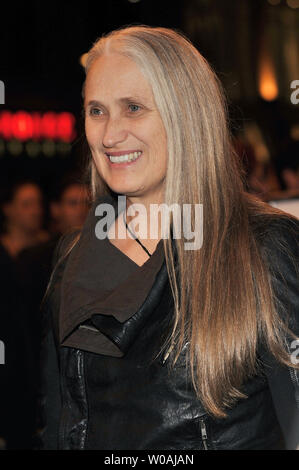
23	125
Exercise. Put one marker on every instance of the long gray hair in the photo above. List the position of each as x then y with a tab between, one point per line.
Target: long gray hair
224	301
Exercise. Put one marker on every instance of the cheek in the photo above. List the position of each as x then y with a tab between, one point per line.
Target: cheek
160	148
92	135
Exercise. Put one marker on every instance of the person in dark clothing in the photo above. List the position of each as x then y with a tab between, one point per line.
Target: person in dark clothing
22	213
16	391
33	267
154	338
68	210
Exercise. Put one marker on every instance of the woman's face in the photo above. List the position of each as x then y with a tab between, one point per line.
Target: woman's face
124	129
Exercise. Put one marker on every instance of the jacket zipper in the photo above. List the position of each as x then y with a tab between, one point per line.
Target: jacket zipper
204	435
203	429
86	399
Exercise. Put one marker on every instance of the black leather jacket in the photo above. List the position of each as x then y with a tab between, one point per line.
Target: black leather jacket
93	401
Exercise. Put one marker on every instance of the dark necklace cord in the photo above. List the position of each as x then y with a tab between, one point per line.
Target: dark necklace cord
134	236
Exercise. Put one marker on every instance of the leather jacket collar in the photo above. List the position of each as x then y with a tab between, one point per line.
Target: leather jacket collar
104	294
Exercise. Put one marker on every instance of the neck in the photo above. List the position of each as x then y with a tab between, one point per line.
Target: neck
144	217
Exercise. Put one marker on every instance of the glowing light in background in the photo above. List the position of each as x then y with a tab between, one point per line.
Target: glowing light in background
36	122
268	87
48	125
15	147
32	148
21	124
5	124
63	148
66	127
35	133
24	126
49	148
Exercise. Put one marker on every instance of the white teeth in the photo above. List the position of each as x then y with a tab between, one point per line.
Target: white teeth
125	158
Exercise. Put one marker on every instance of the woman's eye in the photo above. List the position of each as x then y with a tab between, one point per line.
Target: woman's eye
134	107
95	112
98	112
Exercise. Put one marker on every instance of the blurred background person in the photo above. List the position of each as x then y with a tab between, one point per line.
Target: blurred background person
287	199
287	174
268	179
260	176
68	208
69	205
22	210
22	217
16	391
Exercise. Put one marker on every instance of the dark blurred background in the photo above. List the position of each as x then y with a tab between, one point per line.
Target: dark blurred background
253	45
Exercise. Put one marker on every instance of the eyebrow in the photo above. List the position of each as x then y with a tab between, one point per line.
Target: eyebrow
126	99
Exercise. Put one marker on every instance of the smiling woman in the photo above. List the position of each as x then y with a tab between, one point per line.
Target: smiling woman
124	129
181	349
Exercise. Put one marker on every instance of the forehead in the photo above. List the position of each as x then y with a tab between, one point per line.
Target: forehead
27	190
116	76
74	190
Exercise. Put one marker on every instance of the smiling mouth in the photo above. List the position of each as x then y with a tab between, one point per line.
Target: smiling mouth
128	157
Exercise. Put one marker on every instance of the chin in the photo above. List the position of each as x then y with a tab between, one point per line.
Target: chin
124	189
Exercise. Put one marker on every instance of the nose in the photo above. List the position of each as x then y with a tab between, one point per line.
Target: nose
114	132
